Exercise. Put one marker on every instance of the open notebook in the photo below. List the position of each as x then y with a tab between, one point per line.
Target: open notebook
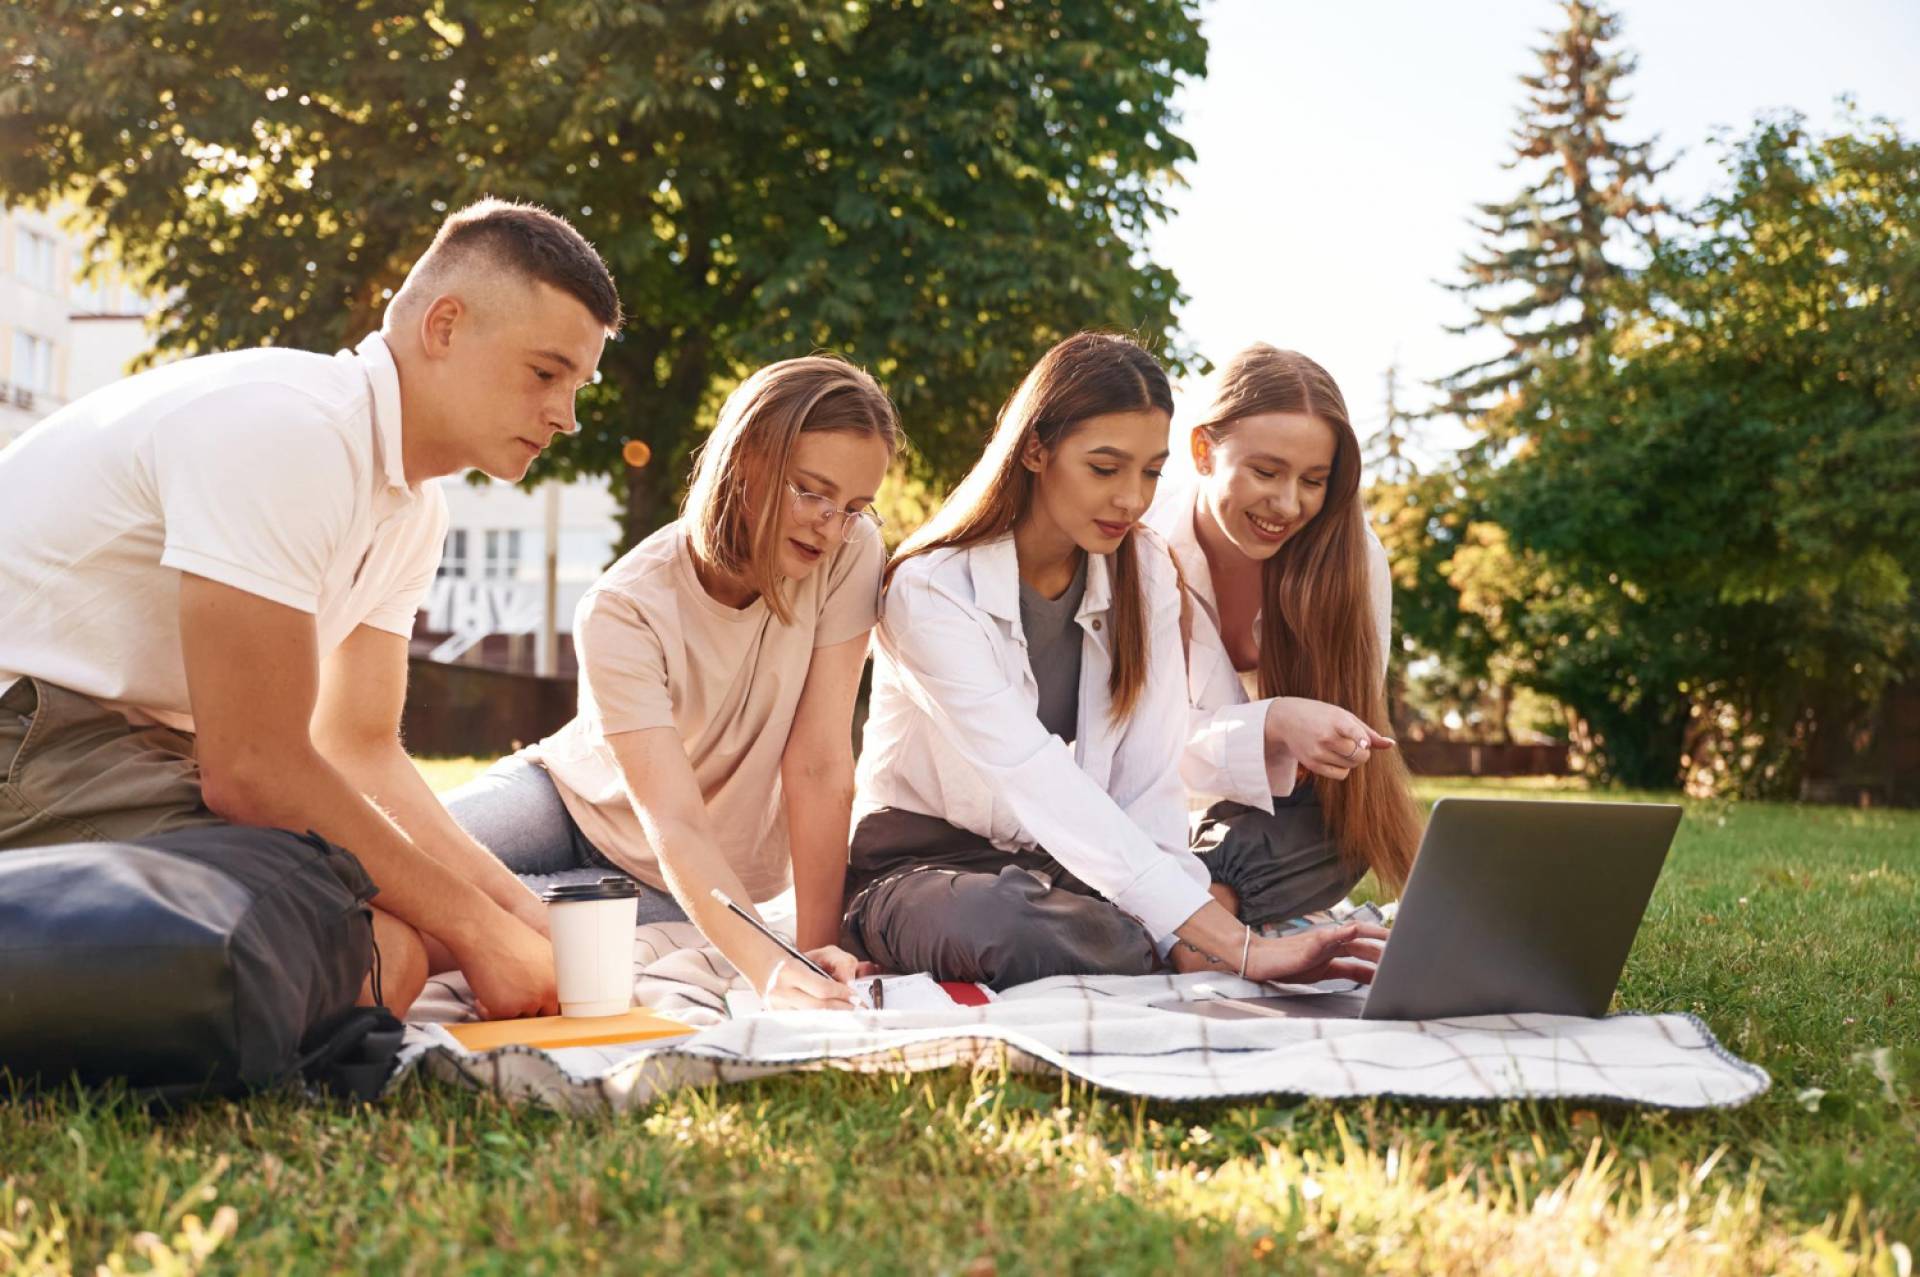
919	992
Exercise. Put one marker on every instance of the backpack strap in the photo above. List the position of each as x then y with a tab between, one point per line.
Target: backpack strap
352	1056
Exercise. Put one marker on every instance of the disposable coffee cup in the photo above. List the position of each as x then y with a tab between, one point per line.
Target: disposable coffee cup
592	925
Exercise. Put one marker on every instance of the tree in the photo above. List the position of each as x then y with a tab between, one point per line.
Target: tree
1727	490
1458	593
1538	281
938	191
1538	278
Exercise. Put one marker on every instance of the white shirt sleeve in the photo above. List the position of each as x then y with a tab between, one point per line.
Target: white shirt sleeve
1145	779
949	666
1226	754
1226	741
257	492
1380	588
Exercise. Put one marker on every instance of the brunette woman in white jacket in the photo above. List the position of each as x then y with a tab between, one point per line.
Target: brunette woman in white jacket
1020	812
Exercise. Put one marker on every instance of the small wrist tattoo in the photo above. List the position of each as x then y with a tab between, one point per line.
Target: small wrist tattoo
1191	947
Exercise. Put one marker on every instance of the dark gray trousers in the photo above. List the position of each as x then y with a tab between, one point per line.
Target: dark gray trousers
924	895
1281	865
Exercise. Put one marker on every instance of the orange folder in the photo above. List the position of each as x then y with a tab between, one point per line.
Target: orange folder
549	1031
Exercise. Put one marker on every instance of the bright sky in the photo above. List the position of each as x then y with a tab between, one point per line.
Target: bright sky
1342	146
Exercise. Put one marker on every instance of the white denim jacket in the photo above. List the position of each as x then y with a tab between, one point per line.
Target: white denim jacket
1226	754
954	729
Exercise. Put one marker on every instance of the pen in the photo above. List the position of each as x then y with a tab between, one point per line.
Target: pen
766	931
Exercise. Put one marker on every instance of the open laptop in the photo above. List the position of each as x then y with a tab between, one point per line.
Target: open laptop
1514	906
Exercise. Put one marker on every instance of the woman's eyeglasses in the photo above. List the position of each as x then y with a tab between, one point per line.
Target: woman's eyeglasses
818	511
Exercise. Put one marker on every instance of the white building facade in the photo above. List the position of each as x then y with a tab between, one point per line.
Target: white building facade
489	604
59	337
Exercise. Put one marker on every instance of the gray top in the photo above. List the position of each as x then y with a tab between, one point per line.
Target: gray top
1053	652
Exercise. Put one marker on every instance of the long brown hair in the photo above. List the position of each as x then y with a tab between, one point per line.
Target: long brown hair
1317	636
746	457
1087	375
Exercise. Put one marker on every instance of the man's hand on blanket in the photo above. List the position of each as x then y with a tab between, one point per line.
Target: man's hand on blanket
1345	952
510	972
793	987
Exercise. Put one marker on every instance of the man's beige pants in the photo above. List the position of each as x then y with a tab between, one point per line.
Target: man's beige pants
74	771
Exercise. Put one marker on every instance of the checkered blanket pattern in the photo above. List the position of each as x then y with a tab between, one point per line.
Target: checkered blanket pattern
1101	1030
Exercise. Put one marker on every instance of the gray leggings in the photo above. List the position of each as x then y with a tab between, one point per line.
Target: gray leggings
1281	865
515	812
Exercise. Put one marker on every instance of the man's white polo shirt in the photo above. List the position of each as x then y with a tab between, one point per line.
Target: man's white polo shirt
277	472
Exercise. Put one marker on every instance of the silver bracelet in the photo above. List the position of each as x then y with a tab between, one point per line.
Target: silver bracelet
1245	945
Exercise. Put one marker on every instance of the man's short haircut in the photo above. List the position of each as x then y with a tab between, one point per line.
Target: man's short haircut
532	242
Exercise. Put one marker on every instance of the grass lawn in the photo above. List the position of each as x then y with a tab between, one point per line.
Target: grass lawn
1789	930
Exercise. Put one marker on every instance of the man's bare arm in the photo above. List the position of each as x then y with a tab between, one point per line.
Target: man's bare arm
252	677
356	727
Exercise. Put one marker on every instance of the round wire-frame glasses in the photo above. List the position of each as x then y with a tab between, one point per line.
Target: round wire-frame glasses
810	508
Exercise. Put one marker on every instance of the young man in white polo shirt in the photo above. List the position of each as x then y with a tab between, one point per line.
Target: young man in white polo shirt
209	572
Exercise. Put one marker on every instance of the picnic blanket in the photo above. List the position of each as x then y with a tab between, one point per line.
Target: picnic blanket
1102	1030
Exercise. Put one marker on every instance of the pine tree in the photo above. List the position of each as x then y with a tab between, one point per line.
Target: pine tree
1386	454
1540	280
1548	251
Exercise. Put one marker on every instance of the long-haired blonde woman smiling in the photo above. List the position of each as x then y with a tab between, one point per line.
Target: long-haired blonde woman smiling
719	664
1288	591
1021	812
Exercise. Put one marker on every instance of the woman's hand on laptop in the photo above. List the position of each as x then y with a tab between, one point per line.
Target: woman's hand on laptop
1325	739
1347	951
1213	939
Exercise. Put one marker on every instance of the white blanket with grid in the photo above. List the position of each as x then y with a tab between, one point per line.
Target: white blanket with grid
1102	1030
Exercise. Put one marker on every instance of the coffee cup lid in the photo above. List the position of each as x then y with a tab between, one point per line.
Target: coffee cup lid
611	887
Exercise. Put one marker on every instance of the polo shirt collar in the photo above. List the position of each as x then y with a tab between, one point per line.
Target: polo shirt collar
383	375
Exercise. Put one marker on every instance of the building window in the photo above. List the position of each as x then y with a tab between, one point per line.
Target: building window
89	298
503	554
453	556
36	260
32	363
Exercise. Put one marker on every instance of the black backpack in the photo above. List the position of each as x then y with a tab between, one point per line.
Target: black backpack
206	962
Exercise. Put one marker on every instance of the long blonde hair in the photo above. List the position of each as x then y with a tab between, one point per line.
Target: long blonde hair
1317	636
745	461
1087	375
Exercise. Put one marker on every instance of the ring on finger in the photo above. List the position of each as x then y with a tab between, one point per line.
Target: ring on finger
1359	744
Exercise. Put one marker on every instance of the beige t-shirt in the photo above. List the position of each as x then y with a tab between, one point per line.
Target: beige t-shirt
656	650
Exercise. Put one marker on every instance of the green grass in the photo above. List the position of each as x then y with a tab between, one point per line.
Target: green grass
1789	930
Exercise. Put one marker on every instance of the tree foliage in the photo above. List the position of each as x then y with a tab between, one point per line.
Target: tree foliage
936	190
1693	519
1537	282
1726	494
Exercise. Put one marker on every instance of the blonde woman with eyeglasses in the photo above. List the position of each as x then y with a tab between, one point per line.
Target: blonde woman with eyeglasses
719	664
